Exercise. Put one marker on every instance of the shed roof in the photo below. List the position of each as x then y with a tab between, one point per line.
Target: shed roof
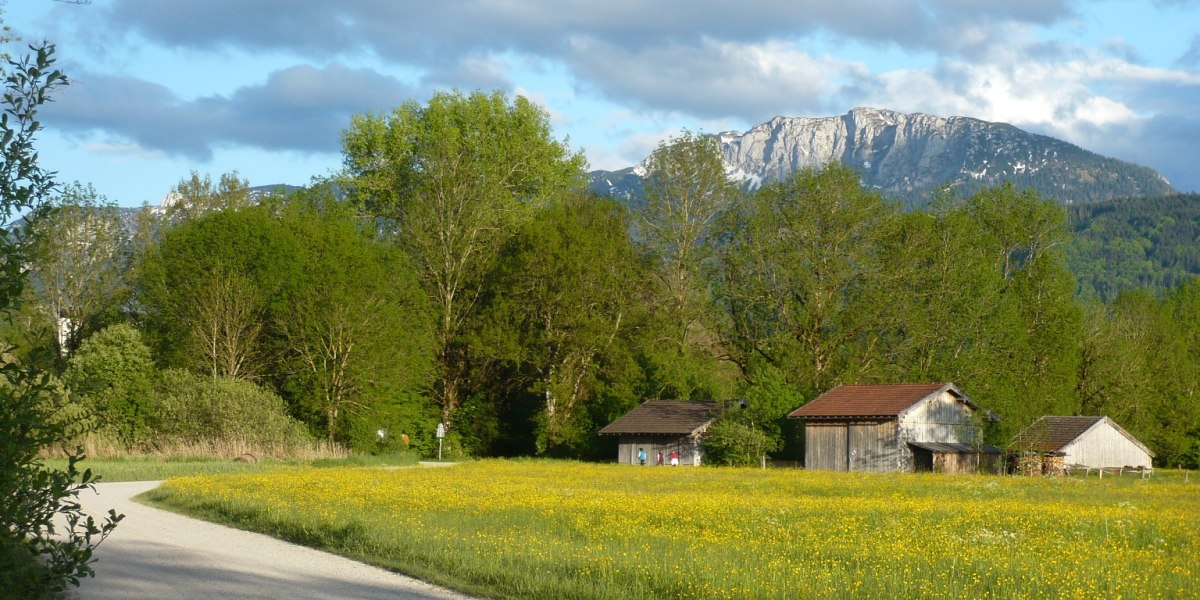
1052	433
670	417
871	400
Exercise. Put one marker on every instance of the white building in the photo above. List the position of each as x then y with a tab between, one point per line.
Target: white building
1095	442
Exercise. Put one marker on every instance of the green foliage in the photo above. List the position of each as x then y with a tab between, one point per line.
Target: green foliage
353	329
112	374
1136	243
1139	366
559	310
802	280
78	258
730	442
46	541
767	401
197	408
456	177
204	287
410	415
825	283
687	191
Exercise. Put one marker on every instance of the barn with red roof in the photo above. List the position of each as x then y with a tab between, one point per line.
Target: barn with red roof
895	427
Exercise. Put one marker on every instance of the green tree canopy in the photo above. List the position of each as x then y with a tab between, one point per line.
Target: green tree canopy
455	178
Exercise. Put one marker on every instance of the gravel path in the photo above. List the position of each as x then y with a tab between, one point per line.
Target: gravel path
155	554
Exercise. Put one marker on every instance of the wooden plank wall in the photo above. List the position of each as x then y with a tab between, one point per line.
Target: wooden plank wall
825	446
872	446
690	453
941	419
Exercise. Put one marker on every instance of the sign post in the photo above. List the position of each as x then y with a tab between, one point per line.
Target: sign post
441	433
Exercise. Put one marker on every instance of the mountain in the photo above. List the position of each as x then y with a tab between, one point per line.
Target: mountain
910	156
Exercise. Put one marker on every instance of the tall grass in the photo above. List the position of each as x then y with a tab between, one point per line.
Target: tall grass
533	529
100	447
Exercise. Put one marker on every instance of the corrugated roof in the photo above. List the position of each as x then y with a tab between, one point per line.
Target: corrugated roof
944	447
870	400
664	417
1052	434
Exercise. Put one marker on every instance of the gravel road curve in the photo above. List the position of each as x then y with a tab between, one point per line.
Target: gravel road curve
157	555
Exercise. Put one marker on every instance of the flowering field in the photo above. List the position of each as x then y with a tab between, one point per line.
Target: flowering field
537	529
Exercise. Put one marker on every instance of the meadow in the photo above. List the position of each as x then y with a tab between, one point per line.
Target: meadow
543	529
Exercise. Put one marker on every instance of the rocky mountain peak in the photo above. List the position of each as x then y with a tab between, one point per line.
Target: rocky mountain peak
909	156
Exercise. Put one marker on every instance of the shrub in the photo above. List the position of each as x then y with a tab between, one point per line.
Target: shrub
194	408
112	374
732	443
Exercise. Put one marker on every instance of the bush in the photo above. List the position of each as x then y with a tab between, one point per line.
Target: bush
736	444
112	374
194	408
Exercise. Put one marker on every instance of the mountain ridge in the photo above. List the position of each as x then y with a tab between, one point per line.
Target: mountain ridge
911	156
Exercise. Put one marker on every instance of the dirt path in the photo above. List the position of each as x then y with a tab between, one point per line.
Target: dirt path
156	555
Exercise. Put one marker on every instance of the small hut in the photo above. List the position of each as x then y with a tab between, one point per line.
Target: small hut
1096	442
663	426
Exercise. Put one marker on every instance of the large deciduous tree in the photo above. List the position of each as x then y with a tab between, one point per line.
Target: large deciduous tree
802	280
204	290
455	178
687	190
79	258
562	303
354	329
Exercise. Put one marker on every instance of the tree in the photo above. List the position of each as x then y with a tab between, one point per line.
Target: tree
78	262
207	287
112	374
353	328
194	196
455	178
801	279
46	541
686	191
224	319
559	305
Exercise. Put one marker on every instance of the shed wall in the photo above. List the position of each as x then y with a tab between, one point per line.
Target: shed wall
1104	446
825	446
942	418
690	451
873	446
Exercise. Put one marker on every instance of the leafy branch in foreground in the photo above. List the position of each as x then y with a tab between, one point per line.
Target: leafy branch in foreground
46	541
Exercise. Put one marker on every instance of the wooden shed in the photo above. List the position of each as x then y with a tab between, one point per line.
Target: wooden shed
895	427
1095	442
663	426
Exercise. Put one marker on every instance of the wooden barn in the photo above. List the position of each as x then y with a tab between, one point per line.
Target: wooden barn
1095	442
897	427
663	426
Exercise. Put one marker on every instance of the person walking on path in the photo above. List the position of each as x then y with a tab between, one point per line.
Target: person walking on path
642	456
674	458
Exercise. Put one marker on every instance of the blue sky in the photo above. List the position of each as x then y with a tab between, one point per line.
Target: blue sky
161	88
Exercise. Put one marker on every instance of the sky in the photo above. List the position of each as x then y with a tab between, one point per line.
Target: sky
161	88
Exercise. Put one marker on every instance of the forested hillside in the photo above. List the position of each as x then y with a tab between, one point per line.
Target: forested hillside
1136	243
466	278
